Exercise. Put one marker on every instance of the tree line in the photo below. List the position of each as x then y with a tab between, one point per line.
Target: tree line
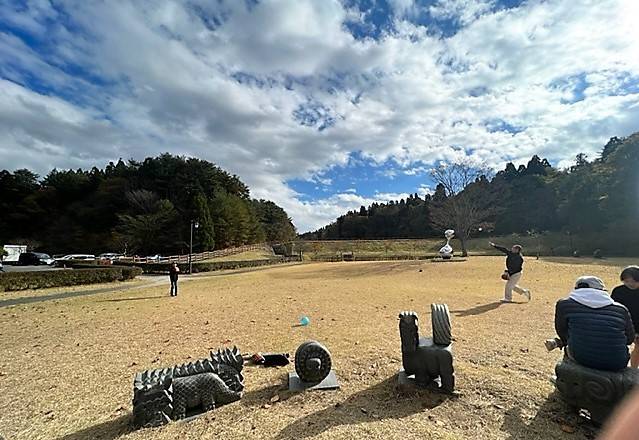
598	197
141	207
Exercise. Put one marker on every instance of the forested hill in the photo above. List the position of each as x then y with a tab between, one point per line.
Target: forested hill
143	207
598	196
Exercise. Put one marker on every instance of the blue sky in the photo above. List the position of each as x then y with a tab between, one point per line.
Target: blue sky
365	177
319	105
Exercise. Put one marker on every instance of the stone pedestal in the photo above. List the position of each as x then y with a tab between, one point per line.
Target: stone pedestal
596	391
329	383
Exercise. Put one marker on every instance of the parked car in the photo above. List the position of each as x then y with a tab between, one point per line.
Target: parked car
34	259
78	257
74	257
109	256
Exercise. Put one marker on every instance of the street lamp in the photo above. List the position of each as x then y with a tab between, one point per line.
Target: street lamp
195	225
572	251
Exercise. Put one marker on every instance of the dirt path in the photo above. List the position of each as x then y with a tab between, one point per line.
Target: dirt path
152	280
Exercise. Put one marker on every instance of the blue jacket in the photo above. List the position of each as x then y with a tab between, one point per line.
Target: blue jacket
596	330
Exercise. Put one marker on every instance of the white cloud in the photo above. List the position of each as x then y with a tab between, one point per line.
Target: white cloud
463	11
409	97
415	171
424	190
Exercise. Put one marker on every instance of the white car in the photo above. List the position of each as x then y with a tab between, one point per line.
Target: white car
74	257
109	256
78	257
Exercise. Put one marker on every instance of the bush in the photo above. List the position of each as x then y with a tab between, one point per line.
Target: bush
163	268
55	278
128	273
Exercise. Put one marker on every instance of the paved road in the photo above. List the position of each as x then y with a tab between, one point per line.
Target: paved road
74	293
150	281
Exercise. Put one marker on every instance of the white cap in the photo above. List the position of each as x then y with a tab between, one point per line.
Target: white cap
590	281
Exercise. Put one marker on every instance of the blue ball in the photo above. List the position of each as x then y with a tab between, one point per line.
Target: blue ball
304	320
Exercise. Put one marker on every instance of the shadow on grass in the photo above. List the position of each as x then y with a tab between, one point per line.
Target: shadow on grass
554	420
134	299
381	401
477	310
263	396
108	430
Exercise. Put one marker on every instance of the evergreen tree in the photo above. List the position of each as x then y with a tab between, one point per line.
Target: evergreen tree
596	200
88	211
206	228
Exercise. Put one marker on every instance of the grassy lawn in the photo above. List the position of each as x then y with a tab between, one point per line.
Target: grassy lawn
67	366
427	247
544	244
260	254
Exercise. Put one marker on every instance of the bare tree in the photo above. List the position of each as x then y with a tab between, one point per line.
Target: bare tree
469	202
456	176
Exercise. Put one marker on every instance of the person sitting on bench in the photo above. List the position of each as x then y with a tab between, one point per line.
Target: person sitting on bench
595	330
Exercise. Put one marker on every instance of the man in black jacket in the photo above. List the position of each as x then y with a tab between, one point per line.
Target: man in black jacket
628	295
595	330
514	268
174	271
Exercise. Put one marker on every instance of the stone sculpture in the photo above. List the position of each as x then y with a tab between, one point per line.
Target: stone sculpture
166	394
427	361
596	391
312	362
312	368
206	390
446	252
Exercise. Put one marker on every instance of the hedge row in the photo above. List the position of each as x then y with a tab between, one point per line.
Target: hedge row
55	278
163	268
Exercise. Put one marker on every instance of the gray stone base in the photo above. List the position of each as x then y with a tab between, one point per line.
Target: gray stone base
329	383
407	383
596	391
450	260
190	418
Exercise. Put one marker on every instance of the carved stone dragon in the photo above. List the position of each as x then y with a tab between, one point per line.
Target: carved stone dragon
168	393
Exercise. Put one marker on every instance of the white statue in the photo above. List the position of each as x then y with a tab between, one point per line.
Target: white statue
446	252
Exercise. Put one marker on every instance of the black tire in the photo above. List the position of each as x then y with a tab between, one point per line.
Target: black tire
440	317
310	350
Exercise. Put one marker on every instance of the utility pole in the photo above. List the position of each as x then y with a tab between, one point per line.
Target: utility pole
572	248
196	225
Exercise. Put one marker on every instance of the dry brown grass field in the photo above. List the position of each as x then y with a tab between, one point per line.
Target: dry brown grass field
67	366
259	254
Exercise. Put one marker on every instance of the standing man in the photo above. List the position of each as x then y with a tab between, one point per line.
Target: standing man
514	268
174	270
628	295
